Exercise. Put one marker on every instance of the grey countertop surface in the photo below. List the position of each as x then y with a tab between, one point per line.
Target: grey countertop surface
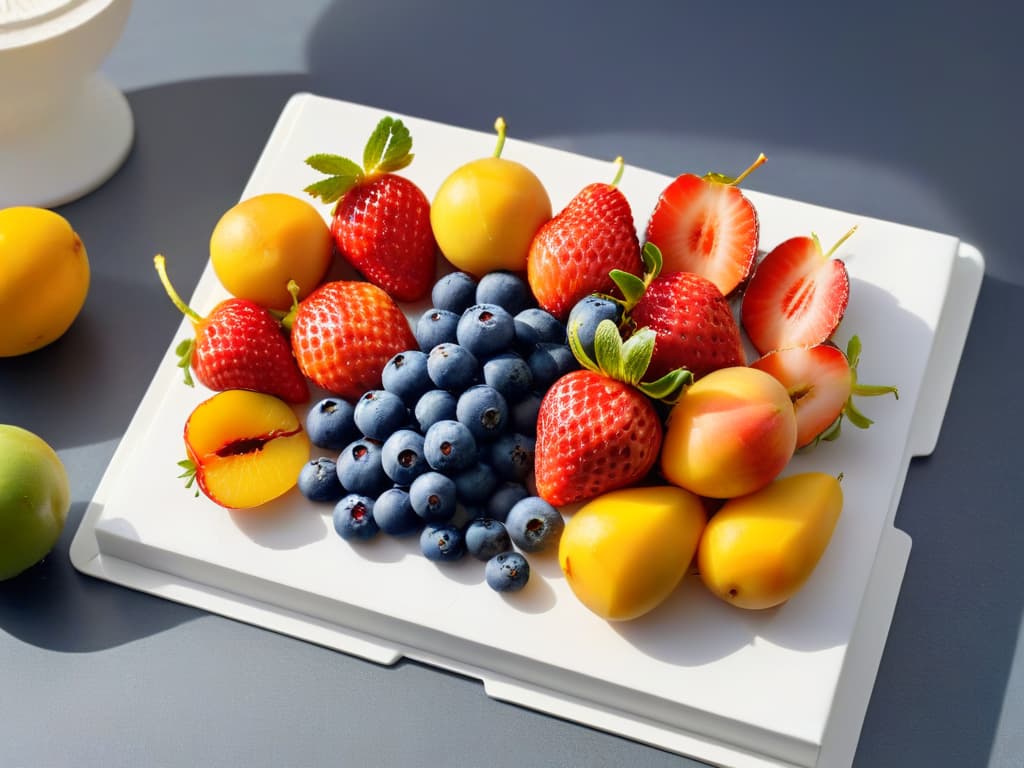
882	109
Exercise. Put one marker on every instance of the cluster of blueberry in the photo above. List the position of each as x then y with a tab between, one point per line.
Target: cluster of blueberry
446	447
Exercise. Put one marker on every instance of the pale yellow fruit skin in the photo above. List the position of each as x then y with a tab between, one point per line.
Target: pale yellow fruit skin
44	278
625	551
264	241
758	550
732	432
485	215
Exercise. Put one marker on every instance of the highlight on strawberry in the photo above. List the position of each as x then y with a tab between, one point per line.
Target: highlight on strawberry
381	221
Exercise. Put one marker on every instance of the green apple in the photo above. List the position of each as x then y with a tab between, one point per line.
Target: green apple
34	499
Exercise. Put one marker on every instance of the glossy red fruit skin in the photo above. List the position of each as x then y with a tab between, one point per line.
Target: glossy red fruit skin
571	255
343	334
241	346
693	325
594	434
382	228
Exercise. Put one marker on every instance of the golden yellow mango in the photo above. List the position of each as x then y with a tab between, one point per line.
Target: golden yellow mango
758	550
625	551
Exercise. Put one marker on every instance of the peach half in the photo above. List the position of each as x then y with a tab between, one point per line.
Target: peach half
731	433
246	448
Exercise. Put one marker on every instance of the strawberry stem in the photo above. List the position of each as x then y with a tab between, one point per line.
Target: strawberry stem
161	270
501	128
761	160
620	167
840	241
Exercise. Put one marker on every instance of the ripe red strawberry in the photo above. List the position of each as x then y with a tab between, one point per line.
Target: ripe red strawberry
343	334
239	345
571	255
381	223
693	324
821	382
704	224
797	296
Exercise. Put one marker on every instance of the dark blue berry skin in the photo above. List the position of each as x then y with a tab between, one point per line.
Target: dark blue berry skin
474	485
507	572
483	409
442	542
405	374
450	447
486	329
506	289
485	538
318	480
452	367
523	414
434	406
330	424
402	456
436	326
512	456
360	469
548	363
433	497
536	326
503	499
393	513
353	517
454	292
589	312
379	413
509	374
534	524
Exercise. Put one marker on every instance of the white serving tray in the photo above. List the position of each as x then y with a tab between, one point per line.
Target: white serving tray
784	687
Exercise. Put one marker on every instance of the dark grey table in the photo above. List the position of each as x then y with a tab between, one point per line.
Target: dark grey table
882	109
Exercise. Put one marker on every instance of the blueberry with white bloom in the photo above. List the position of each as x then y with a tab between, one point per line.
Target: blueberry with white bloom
318	480
393	513
436	326
353	517
506	289
523	414
452	367
442	542
454	292
549	362
512	456
435	405
508	373
503	499
474	485
535	326
507	572
378	413
486	329
330	424
485	538
588	313
484	410
402	456
449	447
534	524
433	497
360	469
405	374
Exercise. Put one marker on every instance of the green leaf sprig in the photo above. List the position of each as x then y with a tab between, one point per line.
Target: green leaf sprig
735	181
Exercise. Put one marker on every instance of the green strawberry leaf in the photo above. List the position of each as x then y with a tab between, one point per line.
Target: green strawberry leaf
184	352
388	148
719	178
331	189
189	473
873	390
333	165
668	386
632	287
653	261
608	350
576	346
636	354
856	418
853	351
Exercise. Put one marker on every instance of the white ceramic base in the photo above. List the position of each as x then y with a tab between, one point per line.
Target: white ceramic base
70	155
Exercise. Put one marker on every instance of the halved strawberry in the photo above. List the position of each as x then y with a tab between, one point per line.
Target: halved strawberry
797	295
821	382
704	224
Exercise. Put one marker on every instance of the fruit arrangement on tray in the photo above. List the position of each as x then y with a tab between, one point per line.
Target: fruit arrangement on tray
631	403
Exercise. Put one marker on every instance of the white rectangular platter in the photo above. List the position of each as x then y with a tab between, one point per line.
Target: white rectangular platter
784	687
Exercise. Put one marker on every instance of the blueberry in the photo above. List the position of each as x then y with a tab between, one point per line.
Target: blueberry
449	446
353	517
509	374
360	469
523	414
485	538
434	406
393	513
454	292
589	312
436	326
452	367
549	362
483	409
536	326
512	456
507	290
379	413
503	499
442	542
474	485
507	572
402	456
486	329
330	424
405	374
533	524
318	480
433	497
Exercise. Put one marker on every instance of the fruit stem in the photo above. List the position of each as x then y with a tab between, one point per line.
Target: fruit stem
761	160
620	167
288	319
501	128
161	270
839	242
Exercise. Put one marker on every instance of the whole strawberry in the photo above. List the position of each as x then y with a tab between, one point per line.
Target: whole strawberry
596	430
344	332
381	222
239	345
571	255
